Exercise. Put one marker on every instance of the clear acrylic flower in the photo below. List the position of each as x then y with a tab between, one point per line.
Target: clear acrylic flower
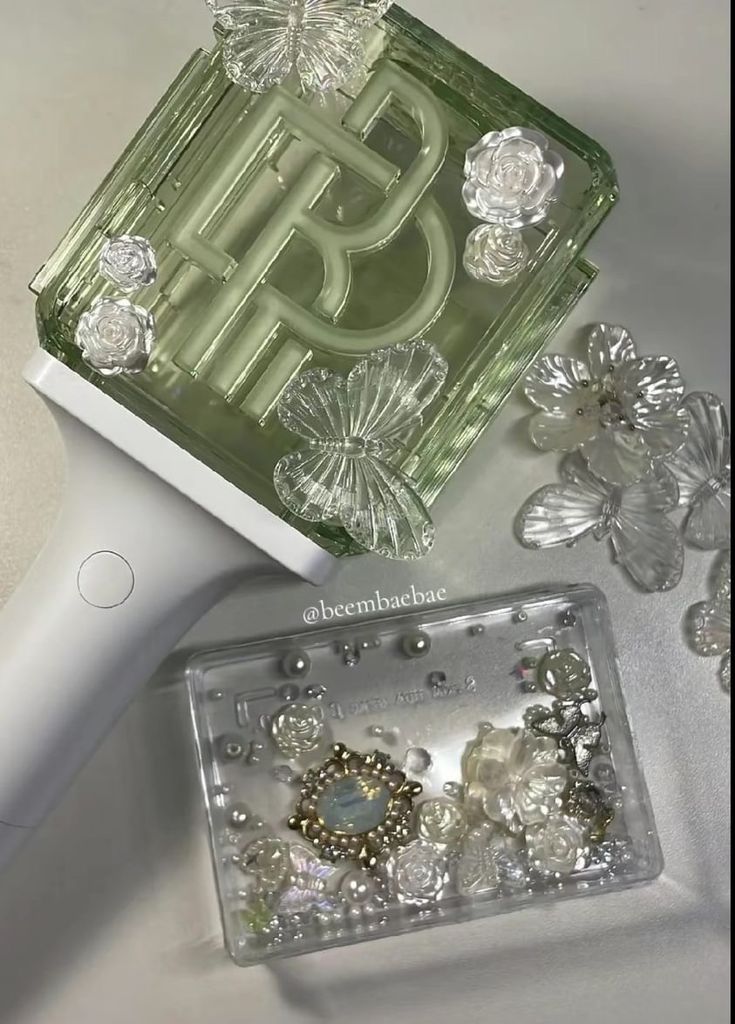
128	262
352	428
557	846
702	471
620	411
495	254
320	41
709	625
298	729
646	542
512	178
416	873
512	777
441	821
116	337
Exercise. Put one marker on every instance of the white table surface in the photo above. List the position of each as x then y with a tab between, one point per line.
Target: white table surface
110	913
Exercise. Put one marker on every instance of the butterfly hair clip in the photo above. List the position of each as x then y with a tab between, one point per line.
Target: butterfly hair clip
321	42
645	541
353	429
702	471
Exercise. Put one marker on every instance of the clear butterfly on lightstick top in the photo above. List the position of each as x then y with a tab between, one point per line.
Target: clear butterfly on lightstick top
322	41
644	539
702	471
352	427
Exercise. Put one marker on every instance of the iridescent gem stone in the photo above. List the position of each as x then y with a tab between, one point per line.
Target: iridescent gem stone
353	805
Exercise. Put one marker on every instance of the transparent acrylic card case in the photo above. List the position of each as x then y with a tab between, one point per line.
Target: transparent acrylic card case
447	696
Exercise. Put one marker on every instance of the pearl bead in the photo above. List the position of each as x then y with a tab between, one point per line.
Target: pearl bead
416	645
296	664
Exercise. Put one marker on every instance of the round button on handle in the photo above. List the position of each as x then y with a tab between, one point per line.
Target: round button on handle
105	580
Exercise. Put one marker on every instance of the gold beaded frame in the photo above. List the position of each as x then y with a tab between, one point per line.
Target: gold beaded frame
364	847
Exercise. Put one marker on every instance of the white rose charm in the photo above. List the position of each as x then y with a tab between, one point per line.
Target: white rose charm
512	178
116	336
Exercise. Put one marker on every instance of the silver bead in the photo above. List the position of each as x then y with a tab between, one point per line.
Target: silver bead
239	815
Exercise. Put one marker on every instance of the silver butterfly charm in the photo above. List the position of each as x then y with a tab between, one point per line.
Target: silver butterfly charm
709	623
702	471
353	428
646	543
576	734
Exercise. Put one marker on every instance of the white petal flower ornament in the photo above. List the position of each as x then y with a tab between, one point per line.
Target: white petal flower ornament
621	412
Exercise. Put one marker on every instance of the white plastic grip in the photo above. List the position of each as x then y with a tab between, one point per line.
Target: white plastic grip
131	565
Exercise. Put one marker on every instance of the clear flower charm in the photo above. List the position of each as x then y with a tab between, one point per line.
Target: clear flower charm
495	254
512	777
116	337
512	178
709	623
128	262
702	471
352	427
646	543
416	874
321	41
558	846
298	729
621	412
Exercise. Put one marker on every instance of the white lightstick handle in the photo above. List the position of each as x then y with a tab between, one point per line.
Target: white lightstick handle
130	567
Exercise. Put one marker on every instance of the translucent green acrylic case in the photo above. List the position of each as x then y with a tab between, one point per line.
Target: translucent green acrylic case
383	698
295	232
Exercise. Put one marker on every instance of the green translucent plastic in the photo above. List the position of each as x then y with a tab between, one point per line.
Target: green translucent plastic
295	231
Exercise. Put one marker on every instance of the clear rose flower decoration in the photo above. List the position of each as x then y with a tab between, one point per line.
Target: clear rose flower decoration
709	623
116	336
512	777
495	254
557	846
298	729
322	42
512	178
128	262
702	470
619	411
416	874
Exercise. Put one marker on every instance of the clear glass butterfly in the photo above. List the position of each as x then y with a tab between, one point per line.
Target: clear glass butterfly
646	543
702	471
352	427
709	622
321	41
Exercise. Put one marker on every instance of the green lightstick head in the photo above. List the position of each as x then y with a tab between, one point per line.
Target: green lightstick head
294	230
